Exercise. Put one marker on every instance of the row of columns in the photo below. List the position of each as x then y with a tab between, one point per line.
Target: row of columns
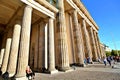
14	63
95	42
19	61
79	40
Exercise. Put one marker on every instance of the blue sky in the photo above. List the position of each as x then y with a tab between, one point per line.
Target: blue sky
106	14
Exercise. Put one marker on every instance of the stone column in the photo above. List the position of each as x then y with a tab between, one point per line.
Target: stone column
88	48
82	39
51	66
78	39
1	56
46	47
97	48
62	41
99	45
14	50
6	56
24	42
93	43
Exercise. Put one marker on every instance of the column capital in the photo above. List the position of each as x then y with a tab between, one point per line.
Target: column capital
81	20
91	27
47	19
28	6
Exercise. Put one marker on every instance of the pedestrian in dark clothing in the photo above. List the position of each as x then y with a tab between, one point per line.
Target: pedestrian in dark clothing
109	60
105	61
30	73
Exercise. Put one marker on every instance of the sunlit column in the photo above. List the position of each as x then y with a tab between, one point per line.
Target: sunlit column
51	66
97	48
62	41
14	50
88	48
99	45
78	40
6	56
1	56
93	43
24	42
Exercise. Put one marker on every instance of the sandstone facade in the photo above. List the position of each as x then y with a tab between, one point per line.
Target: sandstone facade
51	34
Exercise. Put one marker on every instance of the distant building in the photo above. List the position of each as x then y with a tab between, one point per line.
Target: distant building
107	48
103	47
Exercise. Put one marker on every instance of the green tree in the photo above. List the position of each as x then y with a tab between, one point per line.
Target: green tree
119	52
108	53
114	53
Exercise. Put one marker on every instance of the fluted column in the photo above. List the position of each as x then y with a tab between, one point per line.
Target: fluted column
1	56
88	48
51	66
24	42
78	40
97	48
14	50
64	62
6	56
99	45
93	43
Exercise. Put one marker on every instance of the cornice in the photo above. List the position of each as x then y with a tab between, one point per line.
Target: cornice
86	13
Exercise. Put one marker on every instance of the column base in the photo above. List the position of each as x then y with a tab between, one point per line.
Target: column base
5	75
22	78
11	75
0	72
91	62
65	69
81	65
3	72
53	71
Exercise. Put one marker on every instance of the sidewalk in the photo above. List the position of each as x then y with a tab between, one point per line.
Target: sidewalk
91	72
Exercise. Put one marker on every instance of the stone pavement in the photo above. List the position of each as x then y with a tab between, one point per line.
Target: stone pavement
91	72
116	66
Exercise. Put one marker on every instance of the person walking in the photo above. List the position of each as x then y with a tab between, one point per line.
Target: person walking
105	61
109	60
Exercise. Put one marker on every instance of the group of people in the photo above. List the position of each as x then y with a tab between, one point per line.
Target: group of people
104	60
109	59
116	58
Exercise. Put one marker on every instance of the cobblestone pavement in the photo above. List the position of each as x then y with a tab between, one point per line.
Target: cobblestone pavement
91	72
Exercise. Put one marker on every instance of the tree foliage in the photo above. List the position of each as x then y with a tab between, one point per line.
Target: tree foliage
113	53
108	53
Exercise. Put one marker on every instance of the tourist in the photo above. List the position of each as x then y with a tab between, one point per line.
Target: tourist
30	73
109	60
105	61
99	60
85	61
88	60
